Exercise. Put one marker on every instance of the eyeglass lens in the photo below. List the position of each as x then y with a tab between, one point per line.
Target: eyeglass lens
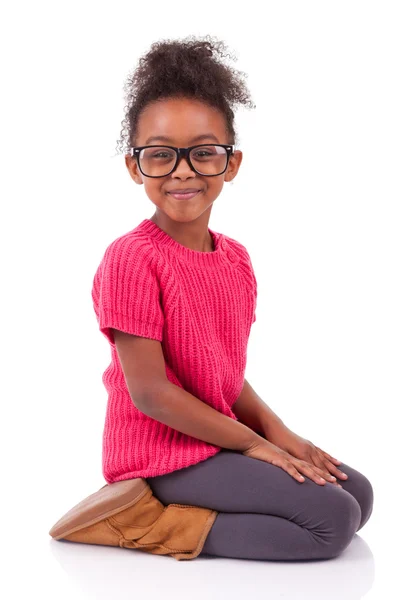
159	161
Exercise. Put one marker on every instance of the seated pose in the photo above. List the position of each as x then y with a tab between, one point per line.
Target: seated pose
176	302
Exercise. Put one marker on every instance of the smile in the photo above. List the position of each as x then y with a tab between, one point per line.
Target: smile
186	196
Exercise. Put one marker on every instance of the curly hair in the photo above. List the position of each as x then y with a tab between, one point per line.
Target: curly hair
188	68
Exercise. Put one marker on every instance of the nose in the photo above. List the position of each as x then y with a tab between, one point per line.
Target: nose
183	170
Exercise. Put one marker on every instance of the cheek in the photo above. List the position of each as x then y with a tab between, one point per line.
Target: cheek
153	187
215	185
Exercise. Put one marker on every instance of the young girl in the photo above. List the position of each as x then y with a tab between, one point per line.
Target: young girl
176	301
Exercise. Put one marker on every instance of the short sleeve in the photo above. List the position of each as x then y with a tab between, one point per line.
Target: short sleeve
254	290
251	280
126	291
255	299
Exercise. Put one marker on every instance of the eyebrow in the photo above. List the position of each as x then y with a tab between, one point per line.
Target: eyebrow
199	138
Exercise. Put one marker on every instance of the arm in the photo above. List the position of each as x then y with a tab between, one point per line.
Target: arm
177	408
253	412
143	364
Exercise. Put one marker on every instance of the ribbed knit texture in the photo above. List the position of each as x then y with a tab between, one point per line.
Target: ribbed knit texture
200	306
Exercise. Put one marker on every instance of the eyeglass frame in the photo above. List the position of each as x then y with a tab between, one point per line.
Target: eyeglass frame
182	152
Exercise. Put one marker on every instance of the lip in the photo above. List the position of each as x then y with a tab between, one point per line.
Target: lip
184	194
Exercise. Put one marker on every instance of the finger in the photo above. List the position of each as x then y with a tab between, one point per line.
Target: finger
331	479
321	476
330	466
324	470
287	466
329	457
332	469
310	471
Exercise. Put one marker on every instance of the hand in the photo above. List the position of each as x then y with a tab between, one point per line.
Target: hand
262	449
284	438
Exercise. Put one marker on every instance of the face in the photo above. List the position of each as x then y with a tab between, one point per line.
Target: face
182	123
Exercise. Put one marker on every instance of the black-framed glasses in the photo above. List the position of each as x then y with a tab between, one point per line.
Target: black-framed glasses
205	159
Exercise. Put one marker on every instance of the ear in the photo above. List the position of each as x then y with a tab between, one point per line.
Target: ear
133	169
233	165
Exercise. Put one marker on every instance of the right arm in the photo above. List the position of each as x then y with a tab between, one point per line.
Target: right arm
153	394
177	408
143	365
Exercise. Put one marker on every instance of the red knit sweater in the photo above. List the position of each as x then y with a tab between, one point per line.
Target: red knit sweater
200	306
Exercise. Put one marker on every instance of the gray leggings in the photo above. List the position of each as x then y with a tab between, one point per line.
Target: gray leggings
264	513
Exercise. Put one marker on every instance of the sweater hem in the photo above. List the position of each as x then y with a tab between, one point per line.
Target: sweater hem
154	472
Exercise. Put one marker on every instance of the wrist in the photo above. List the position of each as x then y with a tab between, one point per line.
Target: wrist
272	425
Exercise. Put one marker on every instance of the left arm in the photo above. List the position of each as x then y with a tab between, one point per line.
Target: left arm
253	412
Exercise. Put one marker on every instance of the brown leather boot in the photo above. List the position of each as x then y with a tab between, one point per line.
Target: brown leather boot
127	514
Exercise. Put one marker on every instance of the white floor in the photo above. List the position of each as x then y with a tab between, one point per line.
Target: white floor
84	572
106	573
39	567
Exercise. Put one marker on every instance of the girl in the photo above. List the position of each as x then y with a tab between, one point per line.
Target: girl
176	301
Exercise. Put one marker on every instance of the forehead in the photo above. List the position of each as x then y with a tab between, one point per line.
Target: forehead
181	121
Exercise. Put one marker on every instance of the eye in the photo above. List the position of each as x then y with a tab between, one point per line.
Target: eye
161	154
204	152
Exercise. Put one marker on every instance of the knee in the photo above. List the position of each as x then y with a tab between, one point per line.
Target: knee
359	486
365	498
343	520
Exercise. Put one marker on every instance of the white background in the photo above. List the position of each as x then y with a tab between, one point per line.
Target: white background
316	203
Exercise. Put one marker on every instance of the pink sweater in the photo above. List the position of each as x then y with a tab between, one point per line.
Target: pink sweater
200	306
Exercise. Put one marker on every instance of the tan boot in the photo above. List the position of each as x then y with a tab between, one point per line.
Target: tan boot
127	514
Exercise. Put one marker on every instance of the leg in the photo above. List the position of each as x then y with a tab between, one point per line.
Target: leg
360	487
264	512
